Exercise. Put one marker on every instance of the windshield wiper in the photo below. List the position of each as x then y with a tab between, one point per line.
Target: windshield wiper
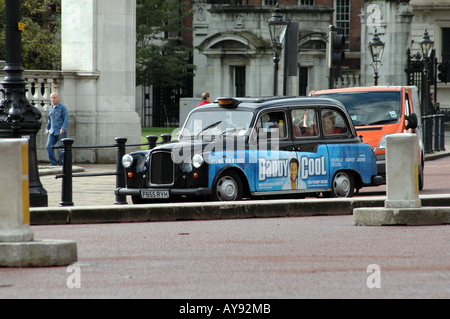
208	127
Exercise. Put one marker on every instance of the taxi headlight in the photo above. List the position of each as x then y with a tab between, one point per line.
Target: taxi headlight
197	161
127	160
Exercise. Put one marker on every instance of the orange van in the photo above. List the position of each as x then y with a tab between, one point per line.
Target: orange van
379	111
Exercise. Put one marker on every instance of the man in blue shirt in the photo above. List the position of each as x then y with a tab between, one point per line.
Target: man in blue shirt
58	122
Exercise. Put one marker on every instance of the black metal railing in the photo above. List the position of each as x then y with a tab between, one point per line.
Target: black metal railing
67	175
446	112
433	132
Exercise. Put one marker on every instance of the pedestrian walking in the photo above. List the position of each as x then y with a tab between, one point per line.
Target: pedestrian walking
206	99
57	126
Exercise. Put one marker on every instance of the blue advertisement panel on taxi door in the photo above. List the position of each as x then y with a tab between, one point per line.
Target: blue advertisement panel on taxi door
293	171
288	170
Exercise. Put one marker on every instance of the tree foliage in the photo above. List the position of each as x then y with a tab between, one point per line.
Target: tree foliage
162	57
41	40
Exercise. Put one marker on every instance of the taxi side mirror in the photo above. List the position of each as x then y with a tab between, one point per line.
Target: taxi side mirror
412	121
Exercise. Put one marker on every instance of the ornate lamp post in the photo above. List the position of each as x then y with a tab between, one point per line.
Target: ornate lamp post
426	46
376	49
18	118
277	26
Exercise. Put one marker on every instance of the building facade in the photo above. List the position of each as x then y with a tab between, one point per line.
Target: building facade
233	49
233	52
433	16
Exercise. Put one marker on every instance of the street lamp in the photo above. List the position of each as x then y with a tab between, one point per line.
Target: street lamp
18	118
376	47
426	45
277	28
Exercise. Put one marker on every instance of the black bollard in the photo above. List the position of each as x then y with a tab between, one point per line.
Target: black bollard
66	191
151	139
166	138
120	177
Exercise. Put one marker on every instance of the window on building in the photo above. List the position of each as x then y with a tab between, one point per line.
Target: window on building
342	17
302	81
306	2
270	2
445	44
239	81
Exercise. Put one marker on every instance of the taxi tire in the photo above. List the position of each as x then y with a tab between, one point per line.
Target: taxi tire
343	185
228	187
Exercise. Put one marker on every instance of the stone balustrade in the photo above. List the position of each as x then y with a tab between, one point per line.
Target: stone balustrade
348	80
41	84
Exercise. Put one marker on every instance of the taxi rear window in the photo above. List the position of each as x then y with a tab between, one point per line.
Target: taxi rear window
304	123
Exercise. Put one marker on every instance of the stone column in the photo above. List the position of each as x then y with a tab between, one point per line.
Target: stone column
99	45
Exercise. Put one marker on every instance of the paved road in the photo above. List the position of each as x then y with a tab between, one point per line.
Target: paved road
304	257
297	257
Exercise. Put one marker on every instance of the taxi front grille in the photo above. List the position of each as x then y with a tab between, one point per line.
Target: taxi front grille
161	168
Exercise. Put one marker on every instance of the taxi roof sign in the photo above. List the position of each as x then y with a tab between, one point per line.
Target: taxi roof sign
228	102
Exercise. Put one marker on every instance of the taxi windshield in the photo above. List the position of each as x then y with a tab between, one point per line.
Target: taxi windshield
370	108
217	123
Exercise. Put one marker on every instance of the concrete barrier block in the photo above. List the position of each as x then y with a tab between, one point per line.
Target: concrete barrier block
17	245
402	184
14	191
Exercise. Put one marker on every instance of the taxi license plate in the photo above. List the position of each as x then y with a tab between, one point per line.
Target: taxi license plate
154	194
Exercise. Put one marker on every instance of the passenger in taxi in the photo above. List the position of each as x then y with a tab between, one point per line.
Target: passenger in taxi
329	122
304	123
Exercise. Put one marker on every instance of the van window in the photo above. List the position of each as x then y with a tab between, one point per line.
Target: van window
407	106
370	108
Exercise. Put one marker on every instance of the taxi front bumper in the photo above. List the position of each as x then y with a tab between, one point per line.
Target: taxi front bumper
199	191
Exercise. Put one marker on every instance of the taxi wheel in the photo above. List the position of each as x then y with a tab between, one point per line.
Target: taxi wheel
343	185
228	187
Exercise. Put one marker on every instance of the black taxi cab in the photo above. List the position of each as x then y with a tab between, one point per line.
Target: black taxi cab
239	148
